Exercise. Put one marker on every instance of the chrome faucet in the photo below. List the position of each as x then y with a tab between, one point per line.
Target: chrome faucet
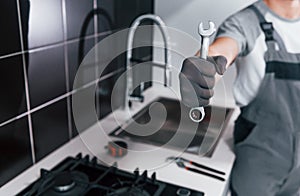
167	67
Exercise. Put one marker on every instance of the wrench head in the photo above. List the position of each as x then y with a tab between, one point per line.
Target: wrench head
207	32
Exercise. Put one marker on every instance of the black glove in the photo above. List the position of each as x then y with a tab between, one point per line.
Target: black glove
197	79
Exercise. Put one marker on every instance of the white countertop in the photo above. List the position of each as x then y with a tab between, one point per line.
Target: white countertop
143	156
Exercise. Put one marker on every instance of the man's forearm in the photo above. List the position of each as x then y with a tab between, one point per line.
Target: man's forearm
223	46
226	47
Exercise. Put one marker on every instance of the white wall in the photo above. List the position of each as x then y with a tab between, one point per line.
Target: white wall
185	16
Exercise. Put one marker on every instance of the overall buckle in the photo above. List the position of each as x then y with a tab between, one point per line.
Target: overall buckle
268	29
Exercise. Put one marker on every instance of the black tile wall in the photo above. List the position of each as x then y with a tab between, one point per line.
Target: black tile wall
36	75
12	87
103	106
87	118
50	128
90	67
131	9
15	149
74	60
46	75
76	16
104	92
10	35
106	18
45	23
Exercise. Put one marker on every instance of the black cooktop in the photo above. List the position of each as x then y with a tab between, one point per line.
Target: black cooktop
84	176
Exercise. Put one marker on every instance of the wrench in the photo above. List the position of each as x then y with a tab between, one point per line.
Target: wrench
181	163
197	114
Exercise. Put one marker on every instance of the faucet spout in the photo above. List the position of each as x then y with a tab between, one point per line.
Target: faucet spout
167	67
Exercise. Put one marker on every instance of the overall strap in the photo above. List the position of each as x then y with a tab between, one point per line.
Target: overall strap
284	65
268	29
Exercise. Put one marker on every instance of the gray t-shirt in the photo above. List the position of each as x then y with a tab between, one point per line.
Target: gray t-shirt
244	27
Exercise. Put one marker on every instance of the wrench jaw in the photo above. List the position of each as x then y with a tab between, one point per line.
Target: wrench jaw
205	35
207	32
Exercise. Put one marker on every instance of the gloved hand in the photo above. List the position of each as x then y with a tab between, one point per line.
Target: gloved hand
197	77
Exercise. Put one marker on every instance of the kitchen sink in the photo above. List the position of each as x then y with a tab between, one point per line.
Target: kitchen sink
165	122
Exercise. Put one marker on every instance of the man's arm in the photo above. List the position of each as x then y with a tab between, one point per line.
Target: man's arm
224	46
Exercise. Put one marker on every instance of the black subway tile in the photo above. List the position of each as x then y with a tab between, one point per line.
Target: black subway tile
9	33
15	149
46	75
82	116
106	16
12	86
108	100
75	58
50	128
77	18
45	23
104	102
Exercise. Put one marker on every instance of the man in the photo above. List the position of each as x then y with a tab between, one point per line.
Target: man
264	42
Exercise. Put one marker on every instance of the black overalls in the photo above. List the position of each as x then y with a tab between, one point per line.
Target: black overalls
267	132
